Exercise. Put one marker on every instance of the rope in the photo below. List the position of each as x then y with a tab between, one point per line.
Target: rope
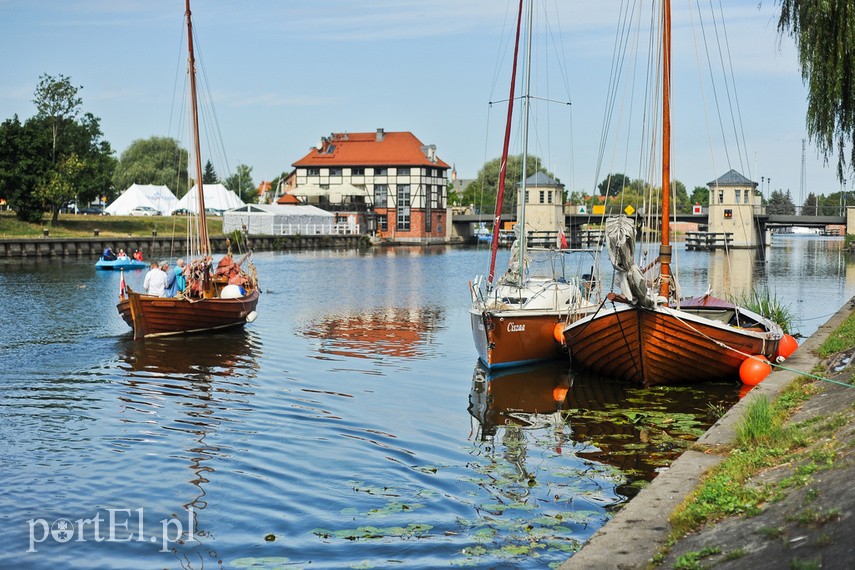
814	376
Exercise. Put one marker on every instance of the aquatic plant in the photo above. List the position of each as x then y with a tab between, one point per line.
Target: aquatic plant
767	304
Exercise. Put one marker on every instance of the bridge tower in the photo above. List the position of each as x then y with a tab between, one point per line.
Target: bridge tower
544	207
733	203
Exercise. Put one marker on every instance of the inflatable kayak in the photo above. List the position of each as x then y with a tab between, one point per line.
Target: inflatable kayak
128	263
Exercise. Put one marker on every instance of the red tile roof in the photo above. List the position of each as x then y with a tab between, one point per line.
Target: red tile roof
364	149
288	199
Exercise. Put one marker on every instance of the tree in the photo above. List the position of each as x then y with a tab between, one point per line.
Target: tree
24	156
156	160
700	195
781	204
241	184
209	176
62	184
811	205
56	99
613	184
482	191
824	33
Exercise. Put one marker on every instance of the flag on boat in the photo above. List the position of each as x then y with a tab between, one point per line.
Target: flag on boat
562	240
122	286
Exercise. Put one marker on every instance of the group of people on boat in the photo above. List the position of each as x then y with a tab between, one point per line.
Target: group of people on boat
161	281
109	255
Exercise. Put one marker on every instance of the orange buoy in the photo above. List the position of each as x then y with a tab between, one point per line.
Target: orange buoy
558	332
559	393
754	369
786	347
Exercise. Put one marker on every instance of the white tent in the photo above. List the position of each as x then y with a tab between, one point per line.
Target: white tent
279	219
217	197
160	198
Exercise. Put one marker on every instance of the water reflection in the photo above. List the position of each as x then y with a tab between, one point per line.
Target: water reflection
731	273
637	430
182	390
377	333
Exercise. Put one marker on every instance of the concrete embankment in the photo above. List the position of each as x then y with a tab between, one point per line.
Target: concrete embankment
641	528
167	246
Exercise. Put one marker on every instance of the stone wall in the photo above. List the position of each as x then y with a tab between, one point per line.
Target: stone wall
91	248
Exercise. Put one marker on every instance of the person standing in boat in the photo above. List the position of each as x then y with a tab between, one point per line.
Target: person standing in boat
171	289
180	279
155	281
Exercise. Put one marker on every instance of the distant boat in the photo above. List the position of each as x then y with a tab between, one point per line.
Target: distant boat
126	263
518	320
214	298
648	335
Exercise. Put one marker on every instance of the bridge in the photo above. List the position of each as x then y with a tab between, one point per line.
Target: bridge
464	224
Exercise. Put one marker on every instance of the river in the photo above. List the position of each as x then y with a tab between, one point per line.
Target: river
349	426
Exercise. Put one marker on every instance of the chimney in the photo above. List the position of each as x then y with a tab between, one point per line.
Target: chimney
379	136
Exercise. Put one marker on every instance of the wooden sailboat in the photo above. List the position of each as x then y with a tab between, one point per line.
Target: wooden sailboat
215	298
514	320
654	338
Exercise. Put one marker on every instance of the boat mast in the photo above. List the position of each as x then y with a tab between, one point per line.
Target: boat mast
524	174
205	245
665	246
500	194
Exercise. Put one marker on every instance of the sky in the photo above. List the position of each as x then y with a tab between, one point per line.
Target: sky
281	74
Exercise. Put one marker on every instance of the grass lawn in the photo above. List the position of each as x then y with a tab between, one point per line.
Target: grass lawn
76	225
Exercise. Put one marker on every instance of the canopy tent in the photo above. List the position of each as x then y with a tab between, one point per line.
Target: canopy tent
334	193
160	198
278	219
217	197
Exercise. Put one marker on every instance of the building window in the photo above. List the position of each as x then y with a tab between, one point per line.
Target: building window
381	171
542	196
383	223
381	195
738	196
434	197
549	197
313	171
721	196
357	172
745	197
335	171
430	190
403	171
403	207
527	197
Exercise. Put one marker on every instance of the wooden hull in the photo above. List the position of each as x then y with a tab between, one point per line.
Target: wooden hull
512	338
664	345
150	316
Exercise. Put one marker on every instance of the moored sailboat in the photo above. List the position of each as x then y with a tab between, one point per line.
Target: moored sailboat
650	335
215	298
514	320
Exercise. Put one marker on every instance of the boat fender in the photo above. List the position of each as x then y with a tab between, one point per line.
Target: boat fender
558	332
754	369
232	292
251	316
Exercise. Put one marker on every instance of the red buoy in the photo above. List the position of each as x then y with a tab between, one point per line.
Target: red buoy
559	393
786	347
754	369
